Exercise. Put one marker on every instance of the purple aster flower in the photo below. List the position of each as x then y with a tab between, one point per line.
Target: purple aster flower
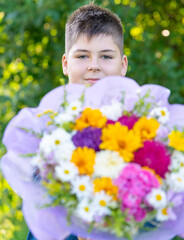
89	137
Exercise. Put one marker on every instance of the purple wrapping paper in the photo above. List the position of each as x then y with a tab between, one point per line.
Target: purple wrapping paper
50	223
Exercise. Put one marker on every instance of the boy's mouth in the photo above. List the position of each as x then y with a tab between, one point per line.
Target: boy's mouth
92	80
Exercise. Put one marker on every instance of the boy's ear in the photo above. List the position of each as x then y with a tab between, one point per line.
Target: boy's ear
124	65
65	65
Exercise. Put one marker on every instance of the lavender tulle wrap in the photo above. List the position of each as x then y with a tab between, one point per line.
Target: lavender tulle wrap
50	223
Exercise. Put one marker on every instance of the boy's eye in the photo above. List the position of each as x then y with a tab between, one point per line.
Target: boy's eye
106	57
82	56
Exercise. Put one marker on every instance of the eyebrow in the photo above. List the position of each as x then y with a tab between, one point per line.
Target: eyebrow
84	50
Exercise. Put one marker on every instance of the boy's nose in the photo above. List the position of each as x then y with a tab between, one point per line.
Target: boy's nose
94	66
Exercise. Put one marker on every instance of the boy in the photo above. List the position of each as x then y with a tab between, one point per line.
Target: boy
93	45
93	48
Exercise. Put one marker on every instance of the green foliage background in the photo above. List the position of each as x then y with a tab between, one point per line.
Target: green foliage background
31	48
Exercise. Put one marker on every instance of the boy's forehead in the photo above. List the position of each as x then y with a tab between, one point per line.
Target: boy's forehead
97	42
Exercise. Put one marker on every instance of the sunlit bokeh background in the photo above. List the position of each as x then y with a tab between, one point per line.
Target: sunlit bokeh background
31	47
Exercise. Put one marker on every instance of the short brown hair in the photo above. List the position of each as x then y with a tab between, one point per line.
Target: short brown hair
93	20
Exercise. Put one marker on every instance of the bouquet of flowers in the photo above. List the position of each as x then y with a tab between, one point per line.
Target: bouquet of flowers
104	162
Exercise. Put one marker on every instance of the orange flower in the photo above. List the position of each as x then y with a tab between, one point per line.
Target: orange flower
90	118
84	159
105	184
120	139
146	128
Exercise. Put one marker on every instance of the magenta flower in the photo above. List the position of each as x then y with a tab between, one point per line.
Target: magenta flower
155	156
129	121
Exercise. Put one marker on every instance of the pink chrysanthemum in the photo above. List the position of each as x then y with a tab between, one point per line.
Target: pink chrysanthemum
155	156
135	180
128	121
138	212
134	183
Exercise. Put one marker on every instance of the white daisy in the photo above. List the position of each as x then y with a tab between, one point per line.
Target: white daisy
177	161
37	161
175	181
64	152
162	214
101	202
45	144
62	118
74	108
59	137
161	113
85	210
54	140
157	198
82	187
66	171
108	164
113	111
181	171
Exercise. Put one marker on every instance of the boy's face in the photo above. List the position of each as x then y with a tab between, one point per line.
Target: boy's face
90	60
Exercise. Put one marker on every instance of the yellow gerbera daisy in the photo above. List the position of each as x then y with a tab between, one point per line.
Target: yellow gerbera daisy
105	184
90	118
84	160
119	138
176	140
146	128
